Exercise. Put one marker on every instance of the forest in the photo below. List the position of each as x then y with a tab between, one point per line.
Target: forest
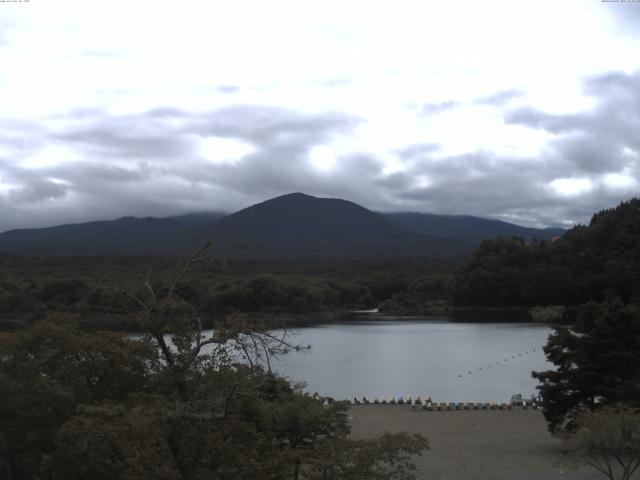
592	262
597	261
80	405
90	288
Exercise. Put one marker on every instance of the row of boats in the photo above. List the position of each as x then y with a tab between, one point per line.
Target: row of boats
517	401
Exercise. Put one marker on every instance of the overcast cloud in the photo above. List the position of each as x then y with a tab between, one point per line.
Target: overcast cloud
481	108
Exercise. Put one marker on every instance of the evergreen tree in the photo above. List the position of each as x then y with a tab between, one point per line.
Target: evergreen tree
597	363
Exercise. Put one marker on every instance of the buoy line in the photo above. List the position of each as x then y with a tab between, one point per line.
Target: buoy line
501	362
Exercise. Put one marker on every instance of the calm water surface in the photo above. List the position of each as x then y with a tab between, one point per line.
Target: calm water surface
451	361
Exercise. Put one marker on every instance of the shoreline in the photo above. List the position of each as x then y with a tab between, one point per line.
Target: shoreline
127	322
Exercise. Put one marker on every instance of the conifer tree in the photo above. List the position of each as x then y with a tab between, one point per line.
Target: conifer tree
597	363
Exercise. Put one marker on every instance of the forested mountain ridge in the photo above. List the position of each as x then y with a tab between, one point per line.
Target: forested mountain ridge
466	228
590	262
197	218
297	225
294	225
125	235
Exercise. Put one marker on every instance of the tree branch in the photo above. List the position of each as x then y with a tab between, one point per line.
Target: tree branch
187	266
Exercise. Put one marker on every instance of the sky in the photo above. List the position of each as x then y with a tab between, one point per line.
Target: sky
523	111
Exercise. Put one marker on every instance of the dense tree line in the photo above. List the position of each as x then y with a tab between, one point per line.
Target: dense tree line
426	294
265	293
594	262
38	287
176	404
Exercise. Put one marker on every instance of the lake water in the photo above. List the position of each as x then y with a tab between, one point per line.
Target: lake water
450	361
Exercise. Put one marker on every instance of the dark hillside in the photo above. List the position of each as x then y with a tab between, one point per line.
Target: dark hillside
467	228
300	225
125	235
292	226
588	263
197	218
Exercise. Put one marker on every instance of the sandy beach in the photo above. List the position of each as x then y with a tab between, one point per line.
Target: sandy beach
475	444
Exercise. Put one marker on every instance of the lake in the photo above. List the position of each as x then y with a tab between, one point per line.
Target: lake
400	356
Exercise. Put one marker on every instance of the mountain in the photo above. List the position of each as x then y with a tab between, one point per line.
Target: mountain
466	228
197	218
294	225
302	225
125	235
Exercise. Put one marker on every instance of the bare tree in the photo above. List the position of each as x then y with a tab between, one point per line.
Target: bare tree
175	326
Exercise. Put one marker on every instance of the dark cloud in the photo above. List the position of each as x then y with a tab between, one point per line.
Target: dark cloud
591	154
149	164
592	145
117	141
512	189
37	191
612	83
104	173
396	182
272	126
533	118
282	140
147	135
604	139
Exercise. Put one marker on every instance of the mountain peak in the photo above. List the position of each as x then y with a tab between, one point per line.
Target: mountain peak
298	223
293	195
297	197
